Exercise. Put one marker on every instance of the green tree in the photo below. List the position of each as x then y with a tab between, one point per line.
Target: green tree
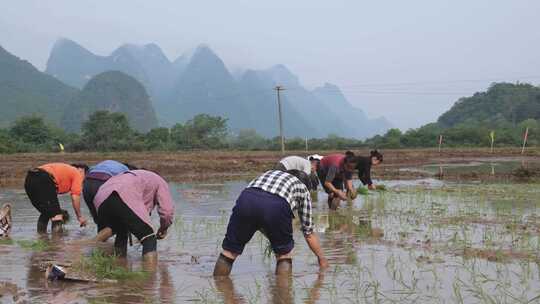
249	139
104	131
203	131
31	130
157	139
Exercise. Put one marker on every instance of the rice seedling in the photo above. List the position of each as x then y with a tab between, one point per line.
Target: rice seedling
104	266
37	245
6	241
362	190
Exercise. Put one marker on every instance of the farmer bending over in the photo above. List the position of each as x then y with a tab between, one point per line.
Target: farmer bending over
364	165
308	166
124	204
43	184
335	170
96	177
267	205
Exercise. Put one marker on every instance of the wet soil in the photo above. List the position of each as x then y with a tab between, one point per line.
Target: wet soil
422	241
231	165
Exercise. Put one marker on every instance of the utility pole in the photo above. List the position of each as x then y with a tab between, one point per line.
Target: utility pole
279	89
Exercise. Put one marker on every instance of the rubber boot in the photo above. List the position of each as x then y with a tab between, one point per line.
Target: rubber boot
223	266
150	260
284	266
42	223
57	227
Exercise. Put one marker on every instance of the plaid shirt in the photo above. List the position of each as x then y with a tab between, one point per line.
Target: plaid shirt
292	190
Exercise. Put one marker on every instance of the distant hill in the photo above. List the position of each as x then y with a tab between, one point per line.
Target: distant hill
206	86
199	82
145	63
510	102
24	90
115	92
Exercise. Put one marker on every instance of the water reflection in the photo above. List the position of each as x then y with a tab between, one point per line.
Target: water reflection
280	290
411	214
482	168
228	292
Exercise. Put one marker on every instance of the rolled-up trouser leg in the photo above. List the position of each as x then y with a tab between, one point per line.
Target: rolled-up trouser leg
223	266
57	226
149	244
42	223
121	242
284	266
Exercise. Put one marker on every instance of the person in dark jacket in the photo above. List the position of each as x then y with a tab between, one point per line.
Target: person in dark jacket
364	164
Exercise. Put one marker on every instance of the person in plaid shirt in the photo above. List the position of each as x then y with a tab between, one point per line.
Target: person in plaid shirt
267	205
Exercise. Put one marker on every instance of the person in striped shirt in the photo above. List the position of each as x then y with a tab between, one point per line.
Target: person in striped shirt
267	205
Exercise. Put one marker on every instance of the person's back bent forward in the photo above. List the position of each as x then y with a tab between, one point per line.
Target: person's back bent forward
43	184
266	205
124	204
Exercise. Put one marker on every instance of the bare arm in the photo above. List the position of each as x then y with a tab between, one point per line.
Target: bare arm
76	202
349	185
337	192
313	242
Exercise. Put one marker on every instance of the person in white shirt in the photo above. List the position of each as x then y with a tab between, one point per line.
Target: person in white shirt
308	166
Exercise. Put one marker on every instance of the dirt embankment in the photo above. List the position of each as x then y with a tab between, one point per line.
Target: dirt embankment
219	165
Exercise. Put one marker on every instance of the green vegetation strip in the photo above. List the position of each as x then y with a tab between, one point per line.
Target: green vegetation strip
105	266
38	245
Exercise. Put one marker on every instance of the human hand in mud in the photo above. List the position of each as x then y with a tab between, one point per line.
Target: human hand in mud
82	221
342	196
323	262
352	195
162	233
372	187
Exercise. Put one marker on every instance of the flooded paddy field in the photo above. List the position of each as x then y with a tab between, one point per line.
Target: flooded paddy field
422	241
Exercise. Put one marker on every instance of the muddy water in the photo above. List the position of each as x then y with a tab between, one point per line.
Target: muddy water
494	167
423	241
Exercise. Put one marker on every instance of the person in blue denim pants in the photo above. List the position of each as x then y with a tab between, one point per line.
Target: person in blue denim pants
267	205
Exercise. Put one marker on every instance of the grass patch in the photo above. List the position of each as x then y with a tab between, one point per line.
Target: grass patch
39	245
105	266
6	242
362	190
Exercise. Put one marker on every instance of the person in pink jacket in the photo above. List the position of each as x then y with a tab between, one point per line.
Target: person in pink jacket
124	204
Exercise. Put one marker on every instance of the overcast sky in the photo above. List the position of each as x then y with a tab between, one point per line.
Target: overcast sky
406	60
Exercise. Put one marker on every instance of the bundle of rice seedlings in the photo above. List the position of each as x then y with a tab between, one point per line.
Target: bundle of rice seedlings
362	190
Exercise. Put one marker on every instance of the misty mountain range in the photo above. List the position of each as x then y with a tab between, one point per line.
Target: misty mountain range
201	83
